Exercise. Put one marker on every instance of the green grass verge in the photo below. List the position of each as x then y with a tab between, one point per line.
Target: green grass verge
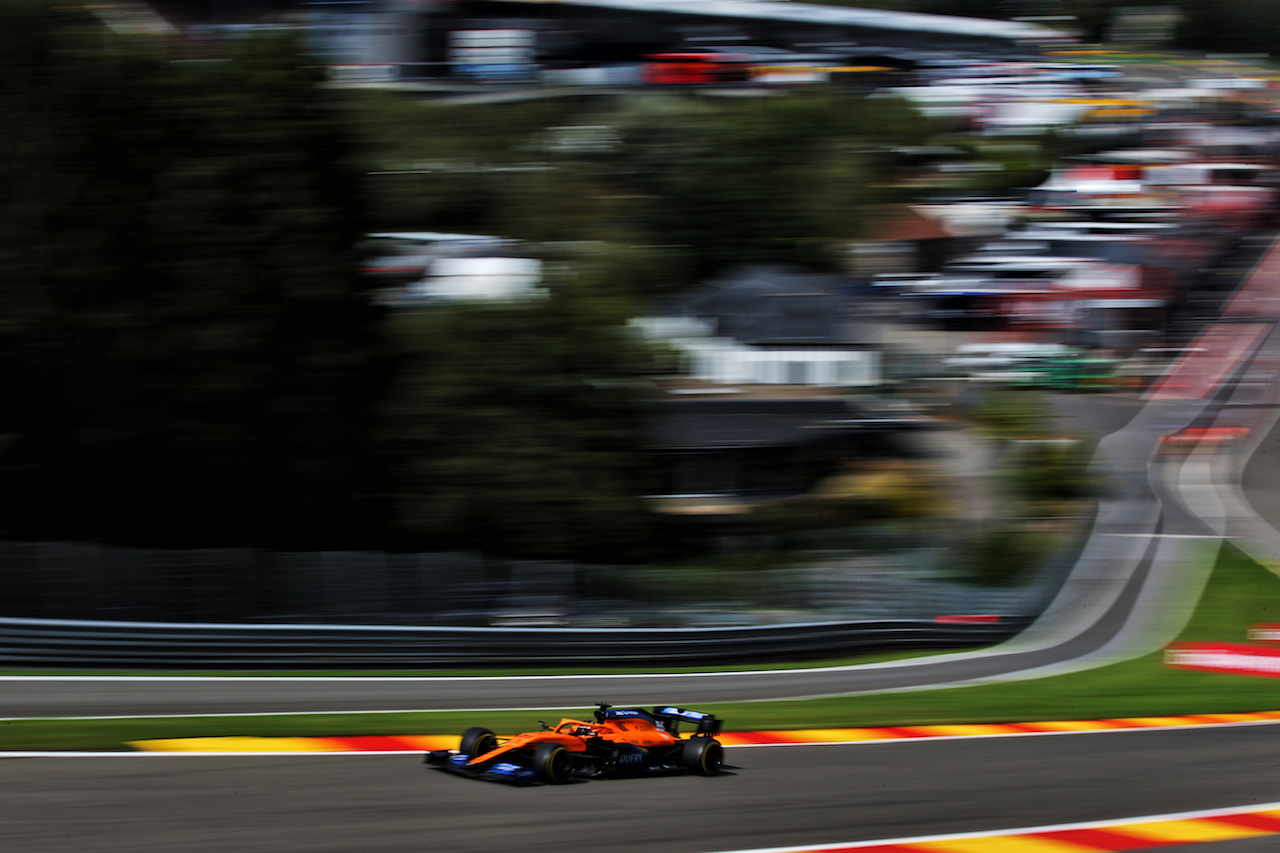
1240	593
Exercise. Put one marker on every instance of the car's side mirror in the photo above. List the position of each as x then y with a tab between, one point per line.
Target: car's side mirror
543	724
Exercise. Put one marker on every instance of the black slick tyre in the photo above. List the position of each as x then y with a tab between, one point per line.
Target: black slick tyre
553	763
477	741
702	756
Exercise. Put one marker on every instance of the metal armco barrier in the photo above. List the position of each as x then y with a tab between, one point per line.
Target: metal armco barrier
67	643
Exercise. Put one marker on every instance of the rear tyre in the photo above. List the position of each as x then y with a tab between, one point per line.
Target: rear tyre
553	763
477	741
703	756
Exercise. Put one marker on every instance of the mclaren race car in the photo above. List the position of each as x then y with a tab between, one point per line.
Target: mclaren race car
619	742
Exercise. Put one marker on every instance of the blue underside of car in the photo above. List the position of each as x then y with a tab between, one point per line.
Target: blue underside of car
496	771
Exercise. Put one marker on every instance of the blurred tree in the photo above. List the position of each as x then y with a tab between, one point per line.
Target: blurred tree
459	167
1250	26
1001	555
519	426
1002	414
1093	16
1046	472
889	489
1043	475
188	355
690	184
764	180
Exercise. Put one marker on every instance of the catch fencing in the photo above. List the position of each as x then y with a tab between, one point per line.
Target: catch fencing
59	643
78	581
87	605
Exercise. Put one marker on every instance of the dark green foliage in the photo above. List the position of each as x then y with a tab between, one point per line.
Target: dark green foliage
1250	26
519	428
1041	475
1002	556
467	168
1010	413
187	351
759	180
708	182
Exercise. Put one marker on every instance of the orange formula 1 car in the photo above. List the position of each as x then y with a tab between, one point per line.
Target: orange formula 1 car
621	742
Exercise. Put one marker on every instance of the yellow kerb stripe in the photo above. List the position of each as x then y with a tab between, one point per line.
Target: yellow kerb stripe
1071	725
832	735
1162	721
961	730
1233	718
236	744
1187	831
434	741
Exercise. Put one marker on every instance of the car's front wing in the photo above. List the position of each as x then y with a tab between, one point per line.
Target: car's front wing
496	770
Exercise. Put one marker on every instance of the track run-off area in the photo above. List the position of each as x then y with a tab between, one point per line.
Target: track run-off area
1072	791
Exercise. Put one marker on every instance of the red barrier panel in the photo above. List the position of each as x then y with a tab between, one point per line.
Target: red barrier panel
1234	658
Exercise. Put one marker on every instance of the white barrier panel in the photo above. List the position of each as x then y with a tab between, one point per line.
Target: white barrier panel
1235	658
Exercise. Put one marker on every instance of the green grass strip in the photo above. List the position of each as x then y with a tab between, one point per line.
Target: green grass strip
1240	593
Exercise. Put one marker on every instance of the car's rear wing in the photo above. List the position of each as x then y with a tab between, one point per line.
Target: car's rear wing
672	717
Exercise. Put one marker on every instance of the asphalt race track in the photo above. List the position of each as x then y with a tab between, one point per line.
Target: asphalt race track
772	797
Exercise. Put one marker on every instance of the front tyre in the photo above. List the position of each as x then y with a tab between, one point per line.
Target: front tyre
703	756
476	742
553	763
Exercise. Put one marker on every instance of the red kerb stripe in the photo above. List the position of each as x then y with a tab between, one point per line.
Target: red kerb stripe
376	743
1102	839
1251	821
904	732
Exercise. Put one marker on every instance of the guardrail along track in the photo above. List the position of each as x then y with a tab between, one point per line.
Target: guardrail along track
65	643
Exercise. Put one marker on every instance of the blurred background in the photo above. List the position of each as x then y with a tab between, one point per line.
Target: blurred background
598	313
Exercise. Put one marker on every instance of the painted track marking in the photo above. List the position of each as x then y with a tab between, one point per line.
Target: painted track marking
1093	837
409	743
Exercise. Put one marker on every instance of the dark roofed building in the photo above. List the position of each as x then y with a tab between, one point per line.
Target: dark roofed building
767	305
765	411
713	459
750	450
768	325
701	424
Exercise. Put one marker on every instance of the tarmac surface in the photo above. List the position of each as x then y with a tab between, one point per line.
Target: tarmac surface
769	797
